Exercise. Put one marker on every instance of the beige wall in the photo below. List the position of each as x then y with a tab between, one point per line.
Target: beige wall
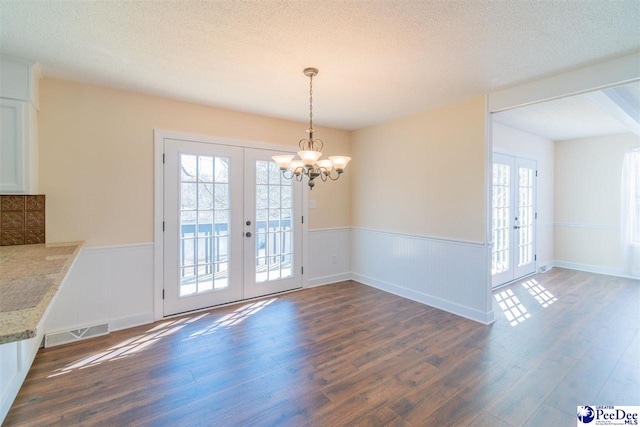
423	174
587	199
96	158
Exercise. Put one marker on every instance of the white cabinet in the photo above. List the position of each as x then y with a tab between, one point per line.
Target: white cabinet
18	126
15	361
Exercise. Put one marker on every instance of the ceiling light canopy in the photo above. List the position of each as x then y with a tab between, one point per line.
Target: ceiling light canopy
309	165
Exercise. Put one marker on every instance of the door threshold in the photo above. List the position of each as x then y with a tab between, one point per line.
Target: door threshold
511	282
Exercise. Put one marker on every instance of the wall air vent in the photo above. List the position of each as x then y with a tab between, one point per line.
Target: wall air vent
65	337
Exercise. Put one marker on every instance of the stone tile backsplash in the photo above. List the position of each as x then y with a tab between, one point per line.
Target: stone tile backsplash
21	219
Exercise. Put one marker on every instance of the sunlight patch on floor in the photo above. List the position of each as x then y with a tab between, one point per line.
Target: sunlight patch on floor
235	318
543	296
130	346
512	308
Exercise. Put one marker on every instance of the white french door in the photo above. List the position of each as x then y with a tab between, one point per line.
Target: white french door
273	237
513	216
232	226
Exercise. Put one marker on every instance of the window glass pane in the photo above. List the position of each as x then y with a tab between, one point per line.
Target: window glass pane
274	196
221	249
262	196
188	171
261	245
205	196
221	280
262	172
261	270
188	196
274	268
222	169
274	173
262	215
222	196
204	251
205	281
222	222
187	252
205	169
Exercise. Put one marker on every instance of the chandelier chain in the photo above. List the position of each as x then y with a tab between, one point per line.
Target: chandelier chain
311	105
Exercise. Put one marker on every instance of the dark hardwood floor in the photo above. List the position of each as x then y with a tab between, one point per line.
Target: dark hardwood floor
348	354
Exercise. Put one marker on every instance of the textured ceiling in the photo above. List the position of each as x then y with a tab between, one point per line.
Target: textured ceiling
378	60
579	116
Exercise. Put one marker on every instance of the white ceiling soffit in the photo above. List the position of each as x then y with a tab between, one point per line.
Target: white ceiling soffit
378	59
610	111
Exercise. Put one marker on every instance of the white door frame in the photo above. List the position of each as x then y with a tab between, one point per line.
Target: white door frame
594	77
158	205
514	205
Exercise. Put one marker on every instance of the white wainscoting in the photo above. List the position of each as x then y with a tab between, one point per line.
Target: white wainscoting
110	284
114	284
329	256
447	274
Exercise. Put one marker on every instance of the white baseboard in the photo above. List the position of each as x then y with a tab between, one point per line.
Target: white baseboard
327	280
617	272
451	307
130	321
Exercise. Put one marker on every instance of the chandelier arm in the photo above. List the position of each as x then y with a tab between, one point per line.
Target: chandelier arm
284	174
336	178
319	146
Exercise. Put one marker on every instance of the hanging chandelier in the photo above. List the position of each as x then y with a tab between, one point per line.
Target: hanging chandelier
309	165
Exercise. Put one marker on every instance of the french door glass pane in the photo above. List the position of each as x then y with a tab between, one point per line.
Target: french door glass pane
525	216
274	237
501	191
204	223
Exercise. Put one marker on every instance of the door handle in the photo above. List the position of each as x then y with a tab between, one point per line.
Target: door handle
515	227
248	234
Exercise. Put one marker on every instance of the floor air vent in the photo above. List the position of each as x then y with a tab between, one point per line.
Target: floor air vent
543	269
65	337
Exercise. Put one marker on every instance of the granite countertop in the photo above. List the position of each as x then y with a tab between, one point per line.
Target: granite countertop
30	276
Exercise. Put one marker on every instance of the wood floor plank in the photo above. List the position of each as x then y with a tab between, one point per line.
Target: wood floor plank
547	415
622	387
349	354
519	401
584	381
